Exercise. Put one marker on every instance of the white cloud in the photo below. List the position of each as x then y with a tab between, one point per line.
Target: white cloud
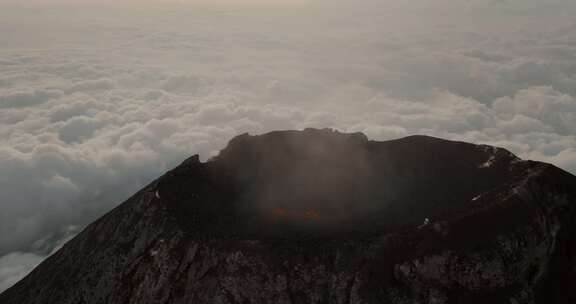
26	98
91	85
79	127
542	104
15	266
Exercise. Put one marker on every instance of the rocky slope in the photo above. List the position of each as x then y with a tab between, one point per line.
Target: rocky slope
322	217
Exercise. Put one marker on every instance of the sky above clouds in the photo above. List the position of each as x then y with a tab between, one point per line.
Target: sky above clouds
96	101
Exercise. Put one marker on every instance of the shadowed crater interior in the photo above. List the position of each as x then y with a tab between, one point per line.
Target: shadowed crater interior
315	183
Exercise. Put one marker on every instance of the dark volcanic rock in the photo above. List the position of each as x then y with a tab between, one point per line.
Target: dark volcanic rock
322	217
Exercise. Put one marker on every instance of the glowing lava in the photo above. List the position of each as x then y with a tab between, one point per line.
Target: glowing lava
283	213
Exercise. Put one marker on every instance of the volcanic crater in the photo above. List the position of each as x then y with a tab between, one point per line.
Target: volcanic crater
322	183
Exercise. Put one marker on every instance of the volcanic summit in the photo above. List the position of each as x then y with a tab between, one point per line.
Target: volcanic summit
318	216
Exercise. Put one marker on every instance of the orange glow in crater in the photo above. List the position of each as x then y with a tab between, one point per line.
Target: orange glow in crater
283	213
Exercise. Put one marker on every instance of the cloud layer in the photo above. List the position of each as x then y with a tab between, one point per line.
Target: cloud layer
93	105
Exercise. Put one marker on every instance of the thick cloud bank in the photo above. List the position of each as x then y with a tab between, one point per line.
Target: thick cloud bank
95	104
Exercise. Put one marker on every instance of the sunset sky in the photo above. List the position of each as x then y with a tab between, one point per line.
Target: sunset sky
97	98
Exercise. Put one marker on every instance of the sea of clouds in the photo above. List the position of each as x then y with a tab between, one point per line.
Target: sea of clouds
96	103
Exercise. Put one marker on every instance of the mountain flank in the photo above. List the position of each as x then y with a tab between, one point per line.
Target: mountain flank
318	216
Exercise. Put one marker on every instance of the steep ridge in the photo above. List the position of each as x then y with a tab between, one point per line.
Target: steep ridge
318	216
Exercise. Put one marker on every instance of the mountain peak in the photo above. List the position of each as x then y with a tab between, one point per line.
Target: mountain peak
318	216
322	182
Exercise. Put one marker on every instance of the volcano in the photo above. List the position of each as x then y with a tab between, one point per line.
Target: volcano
318	216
